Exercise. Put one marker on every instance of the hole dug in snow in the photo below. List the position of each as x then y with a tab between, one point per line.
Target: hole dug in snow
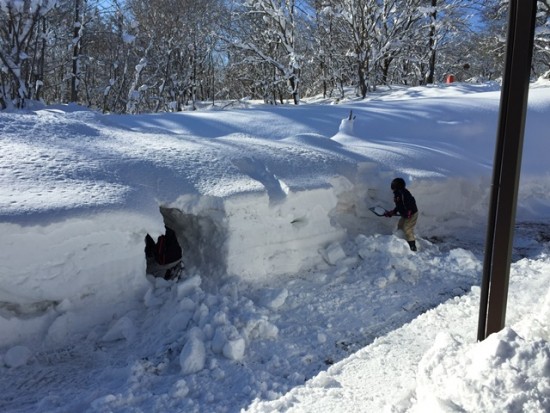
200	236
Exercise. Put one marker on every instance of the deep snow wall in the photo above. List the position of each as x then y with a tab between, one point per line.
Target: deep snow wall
92	266
253	237
63	278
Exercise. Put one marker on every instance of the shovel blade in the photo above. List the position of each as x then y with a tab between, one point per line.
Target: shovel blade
378	210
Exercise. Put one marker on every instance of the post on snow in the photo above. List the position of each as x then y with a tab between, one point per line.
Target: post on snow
507	166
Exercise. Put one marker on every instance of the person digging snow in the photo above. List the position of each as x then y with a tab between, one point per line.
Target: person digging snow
405	207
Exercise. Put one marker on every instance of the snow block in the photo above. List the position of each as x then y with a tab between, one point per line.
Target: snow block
17	356
273	298
193	356
186	287
219	339
123	329
346	127
180	321
228	341
333	253
234	349
252	236
260	328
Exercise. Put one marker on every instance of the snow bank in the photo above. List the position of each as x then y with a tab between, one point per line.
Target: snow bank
78	271
509	371
246	194
452	375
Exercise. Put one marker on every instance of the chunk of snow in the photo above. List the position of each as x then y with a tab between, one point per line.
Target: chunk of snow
346	127
260	328
180	389
188	286
193	356
274	298
333	253
234	349
221	337
124	328
180	321
17	356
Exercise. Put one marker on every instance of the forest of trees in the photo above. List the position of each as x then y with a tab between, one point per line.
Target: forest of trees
133	56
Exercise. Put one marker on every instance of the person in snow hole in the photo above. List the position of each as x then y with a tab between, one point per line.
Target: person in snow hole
163	256
405	207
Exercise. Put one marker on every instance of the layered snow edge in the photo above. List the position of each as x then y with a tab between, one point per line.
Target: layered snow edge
249	236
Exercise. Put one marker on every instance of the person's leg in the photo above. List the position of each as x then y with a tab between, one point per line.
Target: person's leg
408	228
401	224
407	225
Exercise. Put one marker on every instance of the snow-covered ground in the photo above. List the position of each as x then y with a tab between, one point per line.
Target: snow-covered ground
295	297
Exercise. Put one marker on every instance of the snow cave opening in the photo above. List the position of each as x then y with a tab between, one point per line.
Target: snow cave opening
198	238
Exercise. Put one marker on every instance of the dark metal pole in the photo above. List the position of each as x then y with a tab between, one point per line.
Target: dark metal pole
507	167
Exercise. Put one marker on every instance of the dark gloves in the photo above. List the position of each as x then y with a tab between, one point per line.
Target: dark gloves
389	214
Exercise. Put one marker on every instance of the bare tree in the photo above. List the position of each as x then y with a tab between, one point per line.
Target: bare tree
77	35
541	55
361	18
266	32
18	43
165	55
174	42
332	64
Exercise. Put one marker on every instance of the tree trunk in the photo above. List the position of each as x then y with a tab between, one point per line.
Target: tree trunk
42	63
293	82
76	52
385	69
432	46
363	88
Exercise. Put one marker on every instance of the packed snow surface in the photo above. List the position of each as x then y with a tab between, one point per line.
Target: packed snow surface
294	297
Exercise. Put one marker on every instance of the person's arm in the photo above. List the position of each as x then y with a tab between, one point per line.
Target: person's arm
391	213
408	203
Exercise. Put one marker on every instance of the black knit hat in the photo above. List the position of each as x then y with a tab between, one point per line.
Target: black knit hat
397	183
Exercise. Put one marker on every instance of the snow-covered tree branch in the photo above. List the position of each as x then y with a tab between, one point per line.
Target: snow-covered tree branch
18	36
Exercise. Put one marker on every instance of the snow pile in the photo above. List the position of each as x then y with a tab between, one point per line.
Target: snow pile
509	371
471	377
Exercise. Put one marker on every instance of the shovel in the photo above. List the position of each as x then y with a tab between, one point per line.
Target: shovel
379	211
